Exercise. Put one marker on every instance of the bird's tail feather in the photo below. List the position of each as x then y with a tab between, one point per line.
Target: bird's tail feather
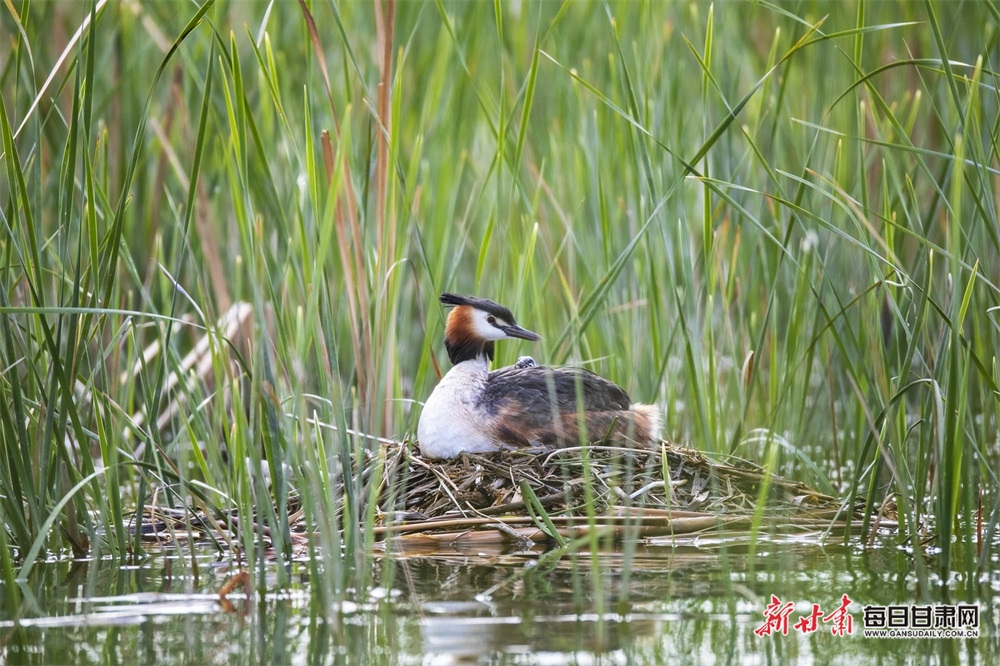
647	422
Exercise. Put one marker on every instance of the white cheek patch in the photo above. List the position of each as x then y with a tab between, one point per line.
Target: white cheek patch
484	329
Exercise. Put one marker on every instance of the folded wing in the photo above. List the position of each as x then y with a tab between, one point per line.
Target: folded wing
547	406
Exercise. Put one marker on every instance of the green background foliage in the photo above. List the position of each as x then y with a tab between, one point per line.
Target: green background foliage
777	222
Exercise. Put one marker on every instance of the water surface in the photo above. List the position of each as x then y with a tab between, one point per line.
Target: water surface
646	604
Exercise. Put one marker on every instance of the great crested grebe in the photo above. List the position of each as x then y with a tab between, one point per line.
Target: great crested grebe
523	405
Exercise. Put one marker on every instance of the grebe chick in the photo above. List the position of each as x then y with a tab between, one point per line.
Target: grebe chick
523	405
525	362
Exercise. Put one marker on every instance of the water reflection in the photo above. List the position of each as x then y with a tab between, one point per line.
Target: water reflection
652	605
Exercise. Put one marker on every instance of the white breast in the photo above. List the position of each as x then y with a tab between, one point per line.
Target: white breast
450	422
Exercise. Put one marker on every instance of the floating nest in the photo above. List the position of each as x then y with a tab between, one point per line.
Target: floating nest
524	497
485	504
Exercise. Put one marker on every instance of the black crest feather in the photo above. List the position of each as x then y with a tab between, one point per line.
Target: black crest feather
483	304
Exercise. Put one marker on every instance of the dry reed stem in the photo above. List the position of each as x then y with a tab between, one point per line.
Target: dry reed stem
346	215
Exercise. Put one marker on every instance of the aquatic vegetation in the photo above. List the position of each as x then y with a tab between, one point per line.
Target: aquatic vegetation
224	228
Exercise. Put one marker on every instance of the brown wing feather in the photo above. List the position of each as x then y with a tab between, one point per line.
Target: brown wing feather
539	405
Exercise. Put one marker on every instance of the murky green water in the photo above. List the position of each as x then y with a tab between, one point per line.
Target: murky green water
690	605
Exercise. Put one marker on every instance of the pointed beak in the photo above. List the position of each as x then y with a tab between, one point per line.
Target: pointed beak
516	331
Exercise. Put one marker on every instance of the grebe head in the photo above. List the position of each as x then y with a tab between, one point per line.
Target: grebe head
475	324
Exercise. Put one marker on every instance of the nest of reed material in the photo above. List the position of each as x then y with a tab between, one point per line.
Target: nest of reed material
523	497
487	504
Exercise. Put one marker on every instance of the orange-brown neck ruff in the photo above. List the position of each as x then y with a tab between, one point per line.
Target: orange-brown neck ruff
461	340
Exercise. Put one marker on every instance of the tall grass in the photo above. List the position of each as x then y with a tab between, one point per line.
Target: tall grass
777	222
